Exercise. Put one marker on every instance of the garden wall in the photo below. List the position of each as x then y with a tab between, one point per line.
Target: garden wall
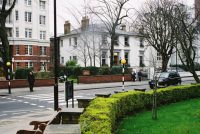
24	83
103	78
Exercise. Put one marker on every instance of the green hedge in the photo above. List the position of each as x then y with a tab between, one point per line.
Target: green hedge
101	115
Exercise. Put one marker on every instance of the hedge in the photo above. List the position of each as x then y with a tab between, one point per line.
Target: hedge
101	115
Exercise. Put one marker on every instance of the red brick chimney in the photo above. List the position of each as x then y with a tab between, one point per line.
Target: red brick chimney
84	22
67	27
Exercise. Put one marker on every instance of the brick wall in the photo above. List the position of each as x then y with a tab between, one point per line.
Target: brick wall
24	83
102	78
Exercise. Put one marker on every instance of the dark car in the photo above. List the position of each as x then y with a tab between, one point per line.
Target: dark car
169	78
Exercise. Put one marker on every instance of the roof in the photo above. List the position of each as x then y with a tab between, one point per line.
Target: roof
98	28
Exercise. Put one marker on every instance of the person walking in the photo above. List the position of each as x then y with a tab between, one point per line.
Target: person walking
31	81
133	75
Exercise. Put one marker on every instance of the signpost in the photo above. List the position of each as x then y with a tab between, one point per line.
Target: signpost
8	64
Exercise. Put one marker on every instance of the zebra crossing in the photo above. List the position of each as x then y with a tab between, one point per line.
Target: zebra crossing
49	98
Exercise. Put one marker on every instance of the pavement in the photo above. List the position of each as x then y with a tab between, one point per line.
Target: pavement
12	125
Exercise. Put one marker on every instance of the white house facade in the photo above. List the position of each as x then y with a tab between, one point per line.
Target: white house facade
90	46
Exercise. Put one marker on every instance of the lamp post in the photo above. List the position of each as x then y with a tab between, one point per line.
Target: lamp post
123	62
55	61
8	64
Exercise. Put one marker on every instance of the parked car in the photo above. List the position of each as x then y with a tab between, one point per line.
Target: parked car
166	79
169	78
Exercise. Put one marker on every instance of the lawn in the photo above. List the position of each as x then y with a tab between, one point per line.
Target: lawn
178	118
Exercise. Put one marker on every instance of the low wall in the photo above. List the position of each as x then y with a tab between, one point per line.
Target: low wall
103	78
24	83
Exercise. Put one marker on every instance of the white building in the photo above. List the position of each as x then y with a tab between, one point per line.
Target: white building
28	31
89	45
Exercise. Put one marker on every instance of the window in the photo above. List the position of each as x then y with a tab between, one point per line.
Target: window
75	58
62	60
17	65
104	40
28	49
141	61
141	42
17	49
61	43
42	4
43	50
116	40
16	15
103	58
75	42
126	57
28	33
42	19
28	2
17	31
43	66
126	41
29	64
28	16
42	35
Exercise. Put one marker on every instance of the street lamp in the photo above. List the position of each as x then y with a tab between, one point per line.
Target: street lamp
55	61
8	64
123	62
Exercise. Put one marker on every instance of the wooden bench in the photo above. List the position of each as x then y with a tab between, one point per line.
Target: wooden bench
84	102
104	95
63	122
140	89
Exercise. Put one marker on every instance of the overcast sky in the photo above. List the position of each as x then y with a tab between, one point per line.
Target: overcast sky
65	9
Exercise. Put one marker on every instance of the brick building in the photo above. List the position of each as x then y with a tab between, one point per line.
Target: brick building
28	31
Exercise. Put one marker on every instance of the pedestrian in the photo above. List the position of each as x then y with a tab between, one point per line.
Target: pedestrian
140	75
31	81
133	75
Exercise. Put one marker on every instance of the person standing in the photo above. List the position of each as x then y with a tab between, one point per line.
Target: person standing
31	81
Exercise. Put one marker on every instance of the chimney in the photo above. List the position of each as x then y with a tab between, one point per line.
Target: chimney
84	22
123	27
67	27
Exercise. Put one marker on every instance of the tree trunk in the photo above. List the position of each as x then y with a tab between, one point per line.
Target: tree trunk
111	50
6	49
164	63
195	77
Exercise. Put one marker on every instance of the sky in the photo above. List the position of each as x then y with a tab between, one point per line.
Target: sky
66	9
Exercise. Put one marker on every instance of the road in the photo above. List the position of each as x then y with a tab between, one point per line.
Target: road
23	102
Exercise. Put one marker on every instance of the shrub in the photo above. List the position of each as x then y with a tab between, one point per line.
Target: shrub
93	70
71	63
101	115
22	73
44	75
104	70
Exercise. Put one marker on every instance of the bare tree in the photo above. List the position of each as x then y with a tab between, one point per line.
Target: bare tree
4	13
153	23
186	28
111	13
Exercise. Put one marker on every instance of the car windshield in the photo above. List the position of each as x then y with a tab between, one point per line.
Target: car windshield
164	75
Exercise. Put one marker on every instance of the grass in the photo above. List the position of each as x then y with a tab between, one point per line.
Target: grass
178	118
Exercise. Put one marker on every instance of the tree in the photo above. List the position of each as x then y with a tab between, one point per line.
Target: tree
4	13
154	24
111	13
186	33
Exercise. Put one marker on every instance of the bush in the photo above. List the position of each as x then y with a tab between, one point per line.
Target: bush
71	63
93	70
44	75
104	70
101	115
22	73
